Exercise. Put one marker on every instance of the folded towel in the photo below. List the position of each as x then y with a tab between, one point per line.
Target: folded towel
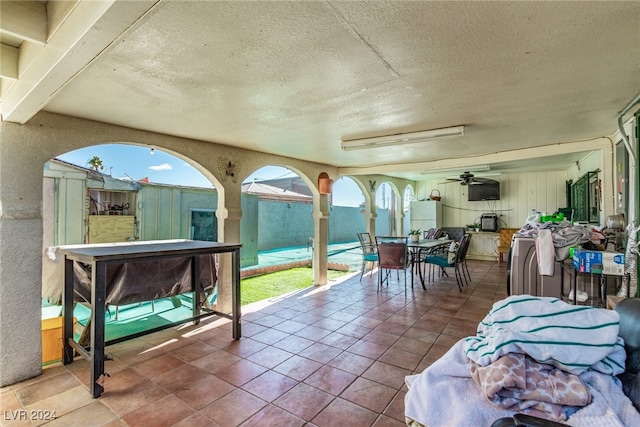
545	253
572	338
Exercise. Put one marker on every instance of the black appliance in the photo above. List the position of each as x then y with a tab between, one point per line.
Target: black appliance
489	222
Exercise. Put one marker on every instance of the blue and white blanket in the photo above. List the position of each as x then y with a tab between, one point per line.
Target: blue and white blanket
580	340
572	338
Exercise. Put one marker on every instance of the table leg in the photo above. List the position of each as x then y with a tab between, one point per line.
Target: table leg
98	297
67	312
195	285
235	294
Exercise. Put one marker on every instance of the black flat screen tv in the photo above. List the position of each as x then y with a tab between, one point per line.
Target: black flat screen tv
484	191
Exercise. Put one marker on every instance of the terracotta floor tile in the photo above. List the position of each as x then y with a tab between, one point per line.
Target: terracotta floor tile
212	363
401	358
329	324
369	394
313	333
203	391
320	352
161	413
307	318
383	338
394	328
48	387
354	330
93	414
367	321
340	413
271	415
196	420
368	349
389	375
422	335
124	400
62	403
193	351
270	336
290	326
330	379
351	362
343	316
298	367
269	320
270	357
144	353
345	340
396	407
293	343
385	421
304	401
158	365
447	340
244	347
240	372
250	329
270	385
412	346
8	400
233	409
338	340
178	378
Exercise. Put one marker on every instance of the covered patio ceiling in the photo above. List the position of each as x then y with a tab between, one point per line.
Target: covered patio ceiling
294	78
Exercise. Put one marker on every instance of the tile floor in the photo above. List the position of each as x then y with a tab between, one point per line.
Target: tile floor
329	356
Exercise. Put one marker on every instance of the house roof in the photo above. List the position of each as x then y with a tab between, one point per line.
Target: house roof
266	191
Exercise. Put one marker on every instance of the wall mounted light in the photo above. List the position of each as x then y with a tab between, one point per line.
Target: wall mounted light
325	184
401	138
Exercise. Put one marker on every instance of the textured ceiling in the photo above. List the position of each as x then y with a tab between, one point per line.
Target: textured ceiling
294	78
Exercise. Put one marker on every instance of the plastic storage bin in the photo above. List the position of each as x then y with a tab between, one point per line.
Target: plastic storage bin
52	339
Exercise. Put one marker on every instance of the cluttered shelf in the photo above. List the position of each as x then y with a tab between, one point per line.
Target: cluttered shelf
580	263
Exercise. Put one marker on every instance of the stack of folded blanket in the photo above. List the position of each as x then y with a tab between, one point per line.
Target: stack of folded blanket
533	355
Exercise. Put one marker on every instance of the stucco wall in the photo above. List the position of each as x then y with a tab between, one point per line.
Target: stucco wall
24	151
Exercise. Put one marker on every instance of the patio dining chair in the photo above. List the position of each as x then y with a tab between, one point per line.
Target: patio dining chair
369	252
454	257
392	256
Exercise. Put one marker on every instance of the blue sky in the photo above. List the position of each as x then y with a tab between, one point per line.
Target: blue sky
122	161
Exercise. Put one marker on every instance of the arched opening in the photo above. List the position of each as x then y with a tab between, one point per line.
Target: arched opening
277	220
408	197
347	205
113	193
386	210
119	192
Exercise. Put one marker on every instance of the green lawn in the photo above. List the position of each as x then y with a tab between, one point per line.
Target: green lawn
271	285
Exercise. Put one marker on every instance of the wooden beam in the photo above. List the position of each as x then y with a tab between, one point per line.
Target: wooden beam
26	20
8	62
87	31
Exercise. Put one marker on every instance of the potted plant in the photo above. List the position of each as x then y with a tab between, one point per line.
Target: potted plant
471	227
477	226
414	234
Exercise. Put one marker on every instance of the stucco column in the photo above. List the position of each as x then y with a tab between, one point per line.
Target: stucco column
320	240
229	213
20	255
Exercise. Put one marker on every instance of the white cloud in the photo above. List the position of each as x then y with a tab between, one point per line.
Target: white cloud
162	167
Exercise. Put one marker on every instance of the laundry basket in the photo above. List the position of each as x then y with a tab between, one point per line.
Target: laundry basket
435	195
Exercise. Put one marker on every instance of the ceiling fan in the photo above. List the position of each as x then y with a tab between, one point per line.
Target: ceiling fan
467	178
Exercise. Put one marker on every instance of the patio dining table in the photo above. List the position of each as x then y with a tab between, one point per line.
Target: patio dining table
419	250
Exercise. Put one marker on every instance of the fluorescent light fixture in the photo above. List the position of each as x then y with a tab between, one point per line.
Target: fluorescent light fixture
472	169
401	138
